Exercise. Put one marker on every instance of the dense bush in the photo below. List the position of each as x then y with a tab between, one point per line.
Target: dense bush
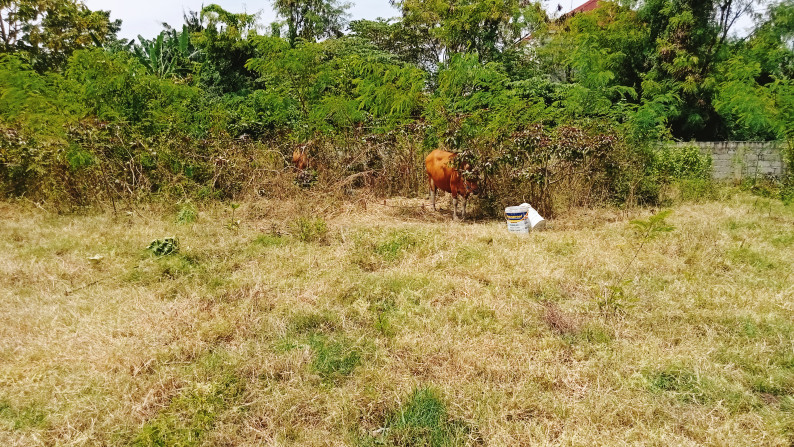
559	113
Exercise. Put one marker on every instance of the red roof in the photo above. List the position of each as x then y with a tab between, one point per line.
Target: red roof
588	6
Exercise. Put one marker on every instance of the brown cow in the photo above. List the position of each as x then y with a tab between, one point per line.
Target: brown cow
441	175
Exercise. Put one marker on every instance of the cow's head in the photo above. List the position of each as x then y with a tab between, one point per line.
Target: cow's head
469	178
300	159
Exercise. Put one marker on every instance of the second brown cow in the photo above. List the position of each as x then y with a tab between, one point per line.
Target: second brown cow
443	176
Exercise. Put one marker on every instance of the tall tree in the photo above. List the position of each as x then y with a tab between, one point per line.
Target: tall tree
225	47
485	27
312	20
47	32
690	39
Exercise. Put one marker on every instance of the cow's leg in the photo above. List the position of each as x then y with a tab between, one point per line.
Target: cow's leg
432	193
455	207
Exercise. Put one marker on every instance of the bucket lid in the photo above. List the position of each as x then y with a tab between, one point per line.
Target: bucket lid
516	209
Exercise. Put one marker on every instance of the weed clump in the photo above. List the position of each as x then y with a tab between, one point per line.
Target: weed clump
187	214
271	240
310	229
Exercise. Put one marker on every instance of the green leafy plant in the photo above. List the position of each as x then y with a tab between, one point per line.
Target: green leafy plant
187	214
233	224
164	247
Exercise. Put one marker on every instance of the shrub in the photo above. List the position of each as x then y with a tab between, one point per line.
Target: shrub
307	229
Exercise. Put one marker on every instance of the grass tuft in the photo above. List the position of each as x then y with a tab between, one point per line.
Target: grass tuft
308	230
333	360
421	421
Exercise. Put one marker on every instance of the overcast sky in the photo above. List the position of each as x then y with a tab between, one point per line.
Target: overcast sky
145	17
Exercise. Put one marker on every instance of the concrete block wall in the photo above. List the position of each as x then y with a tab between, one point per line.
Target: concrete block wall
738	160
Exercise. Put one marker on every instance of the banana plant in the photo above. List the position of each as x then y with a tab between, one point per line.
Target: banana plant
169	55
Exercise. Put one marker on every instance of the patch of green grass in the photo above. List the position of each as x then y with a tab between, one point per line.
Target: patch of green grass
680	381
176	266
595	333
333	359
481	318
162	268
768	371
421	421
59	247
372	252
271	240
469	255
194	412
395	244
735	225
303	323
383	324
565	247
395	288
30	416
785	239
776	382
689	387
750	257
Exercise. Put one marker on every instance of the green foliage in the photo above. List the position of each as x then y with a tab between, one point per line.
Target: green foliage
557	112
615	298
682	162
652	227
487	28
188	213
170	54
312	20
222	39
164	247
46	32
395	245
271	240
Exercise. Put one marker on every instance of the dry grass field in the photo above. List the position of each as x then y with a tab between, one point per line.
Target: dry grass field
336	323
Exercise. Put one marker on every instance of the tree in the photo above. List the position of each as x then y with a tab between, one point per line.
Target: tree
312	20
225	47
488	27
754	95
690	39
409	44
47	32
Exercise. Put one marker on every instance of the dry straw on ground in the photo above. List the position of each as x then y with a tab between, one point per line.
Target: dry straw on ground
355	323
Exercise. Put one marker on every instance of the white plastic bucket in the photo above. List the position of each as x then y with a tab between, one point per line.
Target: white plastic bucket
536	221
517	220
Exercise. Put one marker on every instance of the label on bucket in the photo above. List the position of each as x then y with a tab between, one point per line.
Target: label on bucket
517	219
518	227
